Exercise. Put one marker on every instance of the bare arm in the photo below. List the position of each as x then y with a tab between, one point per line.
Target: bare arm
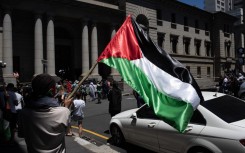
68	101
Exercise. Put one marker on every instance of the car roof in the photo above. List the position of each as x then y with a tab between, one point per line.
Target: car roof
208	95
228	108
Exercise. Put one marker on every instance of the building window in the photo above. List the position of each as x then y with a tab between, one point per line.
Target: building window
173	18
185	21
198	72
186	42
196	26
206	29
208	48
198	46
159	14
208	71
228	48
159	17
186	28
174	43
161	39
173	25
173	21
226	30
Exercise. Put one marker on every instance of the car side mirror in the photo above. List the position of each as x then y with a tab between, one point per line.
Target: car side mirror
134	116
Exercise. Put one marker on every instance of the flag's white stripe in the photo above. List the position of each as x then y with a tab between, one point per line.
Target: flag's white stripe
168	84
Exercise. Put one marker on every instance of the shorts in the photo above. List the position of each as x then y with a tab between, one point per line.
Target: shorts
78	119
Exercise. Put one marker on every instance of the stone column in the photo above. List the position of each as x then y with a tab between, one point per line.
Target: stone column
85	49
38	54
94	48
50	48
114	72
7	46
1	43
167	46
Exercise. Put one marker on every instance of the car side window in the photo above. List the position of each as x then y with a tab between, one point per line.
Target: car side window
197	118
146	112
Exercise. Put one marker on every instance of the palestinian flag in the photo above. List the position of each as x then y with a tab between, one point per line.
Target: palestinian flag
163	82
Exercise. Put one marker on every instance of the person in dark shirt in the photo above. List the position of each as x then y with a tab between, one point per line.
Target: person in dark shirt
114	98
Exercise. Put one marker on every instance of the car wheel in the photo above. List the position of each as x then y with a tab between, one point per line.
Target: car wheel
199	150
242	96
117	136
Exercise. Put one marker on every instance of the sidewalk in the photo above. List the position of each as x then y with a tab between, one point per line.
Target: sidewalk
72	146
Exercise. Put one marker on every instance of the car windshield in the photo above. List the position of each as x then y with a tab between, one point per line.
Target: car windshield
227	108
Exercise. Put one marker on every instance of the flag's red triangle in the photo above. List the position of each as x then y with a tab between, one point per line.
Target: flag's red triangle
124	44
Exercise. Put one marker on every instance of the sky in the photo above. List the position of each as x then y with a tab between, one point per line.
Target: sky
197	3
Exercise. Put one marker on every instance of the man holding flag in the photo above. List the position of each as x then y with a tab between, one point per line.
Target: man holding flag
163	82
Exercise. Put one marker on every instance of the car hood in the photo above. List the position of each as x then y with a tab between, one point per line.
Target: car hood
125	114
240	123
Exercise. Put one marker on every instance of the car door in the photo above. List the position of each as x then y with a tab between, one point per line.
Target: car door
170	140
141	129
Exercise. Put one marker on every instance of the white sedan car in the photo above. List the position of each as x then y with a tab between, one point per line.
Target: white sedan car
217	126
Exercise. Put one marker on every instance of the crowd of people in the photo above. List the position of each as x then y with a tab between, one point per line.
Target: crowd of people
230	83
44	110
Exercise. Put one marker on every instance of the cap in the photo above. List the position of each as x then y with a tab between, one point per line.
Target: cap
42	83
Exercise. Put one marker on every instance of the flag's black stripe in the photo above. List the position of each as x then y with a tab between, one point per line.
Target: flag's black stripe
162	59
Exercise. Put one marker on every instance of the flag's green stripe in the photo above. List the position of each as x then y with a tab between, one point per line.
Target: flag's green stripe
175	112
166	83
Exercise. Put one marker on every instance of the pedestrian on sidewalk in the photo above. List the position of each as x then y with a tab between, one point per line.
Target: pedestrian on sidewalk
77	113
43	121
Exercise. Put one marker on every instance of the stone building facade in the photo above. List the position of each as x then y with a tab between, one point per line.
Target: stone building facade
52	35
202	41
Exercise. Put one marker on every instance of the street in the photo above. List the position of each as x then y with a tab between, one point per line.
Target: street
96	123
97	118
